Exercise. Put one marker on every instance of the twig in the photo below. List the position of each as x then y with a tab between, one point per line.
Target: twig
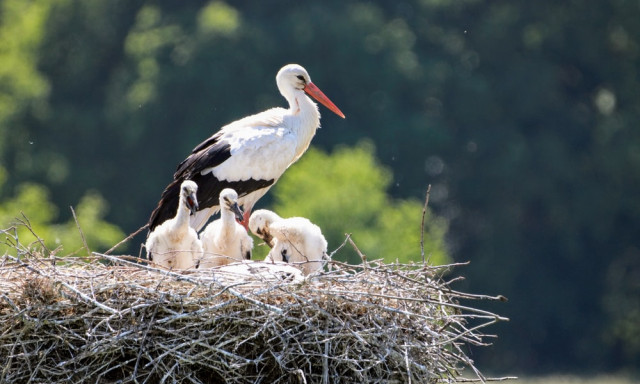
179	276
346	239
300	374
487	379
424	211
371	322
144	339
26	223
325	360
84	241
363	257
66	285
127	239
406	362
88	299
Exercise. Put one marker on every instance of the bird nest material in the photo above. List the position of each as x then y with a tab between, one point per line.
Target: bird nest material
110	319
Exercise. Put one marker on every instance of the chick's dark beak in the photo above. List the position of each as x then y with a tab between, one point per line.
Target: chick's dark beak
235	208
192	203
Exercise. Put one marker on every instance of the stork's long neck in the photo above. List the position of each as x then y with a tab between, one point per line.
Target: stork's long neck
182	217
228	222
308	120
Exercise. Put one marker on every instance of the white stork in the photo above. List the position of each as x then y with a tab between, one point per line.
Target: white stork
250	154
294	240
174	244
259	225
224	240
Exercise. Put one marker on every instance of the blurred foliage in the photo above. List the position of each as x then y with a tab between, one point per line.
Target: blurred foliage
522	115
345	191
31	206
23	89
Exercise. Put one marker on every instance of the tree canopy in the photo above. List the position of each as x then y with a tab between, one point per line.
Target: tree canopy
346	191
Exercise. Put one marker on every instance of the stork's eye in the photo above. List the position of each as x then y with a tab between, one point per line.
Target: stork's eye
300	77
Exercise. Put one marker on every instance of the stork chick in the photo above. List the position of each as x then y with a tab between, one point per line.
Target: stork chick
259	225
295	240
174	244
225	240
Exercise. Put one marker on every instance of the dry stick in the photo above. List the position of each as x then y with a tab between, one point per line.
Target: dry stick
74	290
300	374
466	380
424	211
329	258
25	221
325	359
90	300
127	238
362	256
166	272
406	361
342	284
178	276
144	339
84	241
348	236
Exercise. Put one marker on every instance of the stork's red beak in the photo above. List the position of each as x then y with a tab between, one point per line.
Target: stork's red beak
317	94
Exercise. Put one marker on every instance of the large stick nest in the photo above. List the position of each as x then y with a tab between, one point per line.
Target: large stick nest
114	319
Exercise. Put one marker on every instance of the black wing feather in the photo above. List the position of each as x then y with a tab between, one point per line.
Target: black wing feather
210	153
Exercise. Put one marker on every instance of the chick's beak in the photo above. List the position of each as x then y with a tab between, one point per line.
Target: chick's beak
192	202
235	208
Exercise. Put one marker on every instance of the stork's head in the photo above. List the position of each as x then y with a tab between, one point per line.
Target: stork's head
259	224
188	190
293	78
229	202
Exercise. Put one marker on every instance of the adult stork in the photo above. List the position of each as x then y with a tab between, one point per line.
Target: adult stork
250	154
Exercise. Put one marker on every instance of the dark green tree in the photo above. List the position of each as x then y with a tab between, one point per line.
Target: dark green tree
345	192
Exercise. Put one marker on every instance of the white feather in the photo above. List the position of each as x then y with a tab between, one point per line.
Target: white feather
224	240
295	240
174	244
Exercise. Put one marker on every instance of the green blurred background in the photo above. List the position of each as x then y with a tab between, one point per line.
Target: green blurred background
524	116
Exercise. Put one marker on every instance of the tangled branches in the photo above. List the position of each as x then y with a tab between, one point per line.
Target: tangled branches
114	319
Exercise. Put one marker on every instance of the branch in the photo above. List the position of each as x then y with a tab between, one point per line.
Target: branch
362	255
84	240
127	238
424	211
